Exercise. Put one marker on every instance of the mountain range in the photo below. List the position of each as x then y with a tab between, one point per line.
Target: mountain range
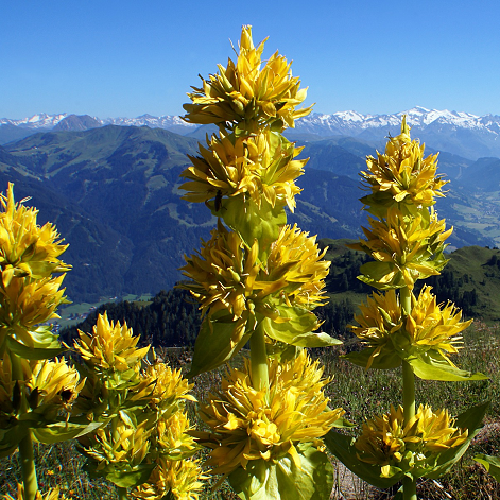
113	193
460	133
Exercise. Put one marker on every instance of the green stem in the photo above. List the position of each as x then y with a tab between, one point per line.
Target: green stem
28	469
408	392
409	484
122	492
409	488
260	368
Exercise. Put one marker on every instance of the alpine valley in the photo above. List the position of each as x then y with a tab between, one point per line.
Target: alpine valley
112	186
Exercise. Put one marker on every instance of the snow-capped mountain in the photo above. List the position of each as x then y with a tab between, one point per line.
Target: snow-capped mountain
460	133
353	123
36	121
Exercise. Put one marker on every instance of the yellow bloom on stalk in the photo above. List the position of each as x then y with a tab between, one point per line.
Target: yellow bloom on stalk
431	326
52	494
249	91
261	167
169	385
306	270
27	249
411	248
184	478
227	276
110	347
379	320
385	440
246	426
25	303
173	437
119	442
402	173
57	385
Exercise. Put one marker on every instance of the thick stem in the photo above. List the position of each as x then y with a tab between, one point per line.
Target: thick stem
409	488
260	368
409	484
122	492
28	469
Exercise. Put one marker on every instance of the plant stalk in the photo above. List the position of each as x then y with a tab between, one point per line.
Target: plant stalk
260	368
409	484
122	492
28	469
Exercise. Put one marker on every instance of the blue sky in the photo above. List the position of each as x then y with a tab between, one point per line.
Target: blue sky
111	58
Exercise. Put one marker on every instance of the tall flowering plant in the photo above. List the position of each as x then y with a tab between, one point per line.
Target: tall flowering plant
258	280
401	328
37	392
127	410
136	406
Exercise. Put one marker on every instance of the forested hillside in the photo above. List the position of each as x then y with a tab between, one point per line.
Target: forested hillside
471	280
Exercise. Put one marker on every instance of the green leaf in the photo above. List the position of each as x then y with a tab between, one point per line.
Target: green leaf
374	271
212	347
11	433
63	431
297	330
343	448
431	365
491	464
128	477
253	223
470	420
45	345
386	359
281	479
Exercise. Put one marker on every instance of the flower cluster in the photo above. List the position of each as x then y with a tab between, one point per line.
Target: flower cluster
141	403
387	442
229	277
183	478
52	494
246	424
247	92
261	167
56	384
27	249
405	248
402	174
111	347
429	326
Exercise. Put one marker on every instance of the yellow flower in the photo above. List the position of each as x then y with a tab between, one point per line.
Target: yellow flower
183	478
110	347
56	384
120	442
27	249
431	326
296	257
428	326
169	385
379	319
227	276
261	167
25	303
411	248
402	174
247	92
52	494
246	425
386	441
173	437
